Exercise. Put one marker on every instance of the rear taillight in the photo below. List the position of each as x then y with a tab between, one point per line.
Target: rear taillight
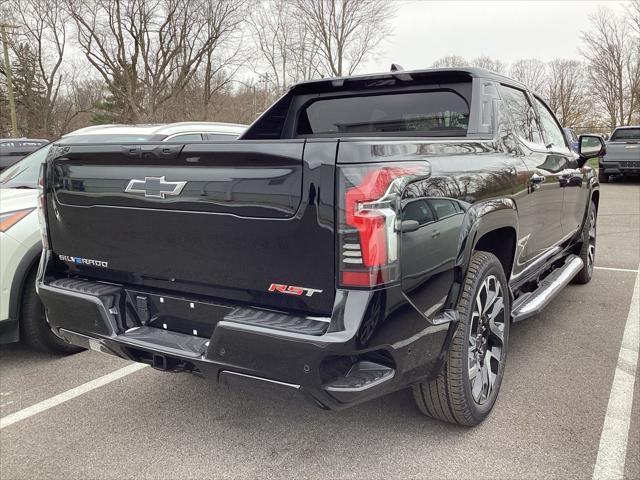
42	208
369	198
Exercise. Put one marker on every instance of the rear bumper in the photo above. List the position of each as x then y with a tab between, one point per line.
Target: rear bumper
622	167
333	369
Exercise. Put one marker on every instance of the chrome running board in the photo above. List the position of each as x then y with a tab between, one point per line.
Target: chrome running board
531	303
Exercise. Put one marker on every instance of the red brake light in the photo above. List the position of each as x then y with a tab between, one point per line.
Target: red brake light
371	195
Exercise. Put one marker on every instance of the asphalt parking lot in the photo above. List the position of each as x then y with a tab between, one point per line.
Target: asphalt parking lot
547	422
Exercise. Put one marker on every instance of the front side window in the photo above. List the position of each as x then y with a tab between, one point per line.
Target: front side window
522	114
550	127
438	113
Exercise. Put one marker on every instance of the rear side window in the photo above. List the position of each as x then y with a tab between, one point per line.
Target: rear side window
436	112
419	211
185	137
443	207
522	114
626	134
222	136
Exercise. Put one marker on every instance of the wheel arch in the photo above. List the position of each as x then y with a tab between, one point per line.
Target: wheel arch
28	262
491	226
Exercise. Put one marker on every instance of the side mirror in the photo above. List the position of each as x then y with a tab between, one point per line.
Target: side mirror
590	146
407	226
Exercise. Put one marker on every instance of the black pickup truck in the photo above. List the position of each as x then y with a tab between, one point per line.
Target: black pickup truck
365	234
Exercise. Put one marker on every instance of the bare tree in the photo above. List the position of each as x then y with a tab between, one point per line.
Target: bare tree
566	92
532	72
613	57
273	26
147	51
451	61
633	11
489	63
43	24
287	49
347	31
76	105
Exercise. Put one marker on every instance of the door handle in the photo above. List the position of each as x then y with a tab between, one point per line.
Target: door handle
435	233
537	178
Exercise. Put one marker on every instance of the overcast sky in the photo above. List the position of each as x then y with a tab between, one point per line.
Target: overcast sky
508	30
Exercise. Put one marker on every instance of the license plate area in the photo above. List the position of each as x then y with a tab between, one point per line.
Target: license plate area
176	314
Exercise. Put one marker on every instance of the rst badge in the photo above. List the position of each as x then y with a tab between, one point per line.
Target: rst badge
84	261
292	290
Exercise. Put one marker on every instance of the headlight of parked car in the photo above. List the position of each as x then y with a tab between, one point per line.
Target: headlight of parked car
9	219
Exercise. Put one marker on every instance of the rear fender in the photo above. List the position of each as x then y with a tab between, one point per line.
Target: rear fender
482	218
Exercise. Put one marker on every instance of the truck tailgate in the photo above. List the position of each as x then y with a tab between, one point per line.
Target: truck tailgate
623	152
224	220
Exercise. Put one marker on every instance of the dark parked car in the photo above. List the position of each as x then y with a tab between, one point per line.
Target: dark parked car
623	154
365	234
13	149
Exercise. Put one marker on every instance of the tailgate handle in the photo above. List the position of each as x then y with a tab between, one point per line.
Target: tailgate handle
132	151
167	151
158	151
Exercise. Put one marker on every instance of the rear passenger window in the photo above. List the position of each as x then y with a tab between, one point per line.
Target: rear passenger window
522	114
436	112
419	211
187	137
443	207
221	136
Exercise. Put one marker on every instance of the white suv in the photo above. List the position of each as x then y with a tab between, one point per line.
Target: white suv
21	313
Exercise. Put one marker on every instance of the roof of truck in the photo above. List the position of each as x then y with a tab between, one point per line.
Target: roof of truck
161	129
475	72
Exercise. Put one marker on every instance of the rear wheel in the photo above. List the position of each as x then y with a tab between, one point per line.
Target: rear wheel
34	329
588	247
466	390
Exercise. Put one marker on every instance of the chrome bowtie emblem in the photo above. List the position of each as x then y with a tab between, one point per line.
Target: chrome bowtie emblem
155	187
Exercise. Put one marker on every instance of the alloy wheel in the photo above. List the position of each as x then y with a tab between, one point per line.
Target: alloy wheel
486	339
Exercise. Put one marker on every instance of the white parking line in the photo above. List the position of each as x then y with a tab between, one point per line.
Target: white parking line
617	269
615	431
68	395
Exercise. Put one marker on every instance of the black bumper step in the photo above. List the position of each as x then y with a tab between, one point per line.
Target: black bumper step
278	321
362	376
165	341
85	287
187	311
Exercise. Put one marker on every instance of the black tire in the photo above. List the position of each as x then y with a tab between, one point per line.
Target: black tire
34	329
587	246
602	177
450	397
